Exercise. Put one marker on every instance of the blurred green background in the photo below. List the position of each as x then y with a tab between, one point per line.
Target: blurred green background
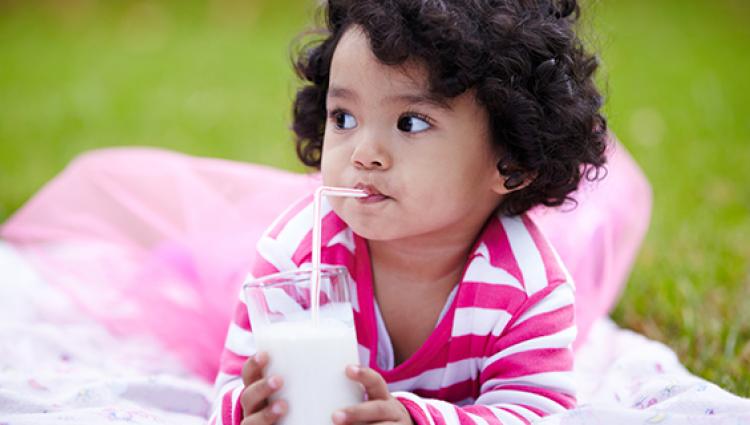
214	78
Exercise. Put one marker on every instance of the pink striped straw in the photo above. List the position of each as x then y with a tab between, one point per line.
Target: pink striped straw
317	225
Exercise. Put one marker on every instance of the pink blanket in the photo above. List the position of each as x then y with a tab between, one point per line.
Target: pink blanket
155	243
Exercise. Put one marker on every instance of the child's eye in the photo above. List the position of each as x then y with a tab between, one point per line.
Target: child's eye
413	123
343	120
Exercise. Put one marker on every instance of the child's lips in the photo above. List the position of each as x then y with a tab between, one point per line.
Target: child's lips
373	194
369	199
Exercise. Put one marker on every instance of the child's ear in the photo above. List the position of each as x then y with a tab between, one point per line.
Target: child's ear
510	179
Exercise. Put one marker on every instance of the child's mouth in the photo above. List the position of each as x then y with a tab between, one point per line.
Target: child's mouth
373	194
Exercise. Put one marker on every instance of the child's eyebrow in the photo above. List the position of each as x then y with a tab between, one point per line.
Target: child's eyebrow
421	98
341	93
417	98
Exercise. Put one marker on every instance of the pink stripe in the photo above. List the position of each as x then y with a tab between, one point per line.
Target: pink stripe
363	277
501	254
535	410
289	215
518	415
530	362
543	324
241	318
452	393
484	412
418	416
226	408
463	418
231	363
262	267
436	415
429	356
331	226
487	295
238	411
338	255
553	268
468	346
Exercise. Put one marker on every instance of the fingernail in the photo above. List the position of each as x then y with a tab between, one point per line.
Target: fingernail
277	409
261	357
274	382
354	369
339	417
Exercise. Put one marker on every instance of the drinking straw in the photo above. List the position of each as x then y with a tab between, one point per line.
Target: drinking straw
317	224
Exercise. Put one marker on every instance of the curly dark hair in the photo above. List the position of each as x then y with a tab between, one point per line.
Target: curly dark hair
523	58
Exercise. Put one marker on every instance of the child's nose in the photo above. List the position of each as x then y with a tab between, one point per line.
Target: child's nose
370	154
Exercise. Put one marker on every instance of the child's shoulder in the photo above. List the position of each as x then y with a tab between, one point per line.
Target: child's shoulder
513	251
290	234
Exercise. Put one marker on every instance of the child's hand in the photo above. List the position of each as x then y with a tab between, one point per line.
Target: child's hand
254	398
380	407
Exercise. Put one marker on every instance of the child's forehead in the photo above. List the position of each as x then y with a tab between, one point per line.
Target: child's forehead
354	62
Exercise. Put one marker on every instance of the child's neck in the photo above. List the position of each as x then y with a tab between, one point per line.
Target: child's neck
421	262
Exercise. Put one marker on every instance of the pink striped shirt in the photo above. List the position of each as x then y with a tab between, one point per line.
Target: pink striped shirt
500	353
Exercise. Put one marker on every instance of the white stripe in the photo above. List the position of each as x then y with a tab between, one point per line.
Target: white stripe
526	254
561	339
273	252
447	410
279	301
235	396
479	321
240	341
526	413
560	297
364	355
435	379
568	277
418	401
521	397
223	382
345	238
476	419
557	381
283	215
506	418
352	294
295	230
227	387
481	270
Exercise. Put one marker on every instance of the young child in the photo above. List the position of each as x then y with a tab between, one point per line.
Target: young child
456	117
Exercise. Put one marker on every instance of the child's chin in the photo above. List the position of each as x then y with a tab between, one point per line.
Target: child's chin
370	231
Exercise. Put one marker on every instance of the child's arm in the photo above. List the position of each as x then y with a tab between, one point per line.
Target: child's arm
527	371
525	374
240	343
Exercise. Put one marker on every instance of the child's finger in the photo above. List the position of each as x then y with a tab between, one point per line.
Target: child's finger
252	370
254	396
367	412
269	415
374	384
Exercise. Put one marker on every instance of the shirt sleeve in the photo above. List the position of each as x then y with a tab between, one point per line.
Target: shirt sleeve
526	372
240	342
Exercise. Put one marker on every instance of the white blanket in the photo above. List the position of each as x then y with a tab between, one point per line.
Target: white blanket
58	368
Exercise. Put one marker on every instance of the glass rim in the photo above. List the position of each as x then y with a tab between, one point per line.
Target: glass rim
273	280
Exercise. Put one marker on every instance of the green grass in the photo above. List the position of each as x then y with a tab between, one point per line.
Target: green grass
214	79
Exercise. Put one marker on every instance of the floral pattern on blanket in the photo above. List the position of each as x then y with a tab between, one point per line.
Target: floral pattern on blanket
58	368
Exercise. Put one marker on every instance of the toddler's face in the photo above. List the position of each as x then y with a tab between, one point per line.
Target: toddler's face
429	164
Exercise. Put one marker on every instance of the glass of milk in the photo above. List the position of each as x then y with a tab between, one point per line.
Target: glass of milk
310	357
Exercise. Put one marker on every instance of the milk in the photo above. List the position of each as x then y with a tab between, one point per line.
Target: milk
312	360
